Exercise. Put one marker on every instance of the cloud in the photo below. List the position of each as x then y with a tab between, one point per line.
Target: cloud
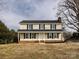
11	20
13	11
36	9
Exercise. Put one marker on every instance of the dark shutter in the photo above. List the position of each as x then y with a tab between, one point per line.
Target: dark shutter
52	35
48	35
24	35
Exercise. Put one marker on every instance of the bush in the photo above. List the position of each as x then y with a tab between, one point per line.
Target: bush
68	35
75	35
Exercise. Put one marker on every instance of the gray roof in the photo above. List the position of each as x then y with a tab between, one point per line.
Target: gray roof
40	21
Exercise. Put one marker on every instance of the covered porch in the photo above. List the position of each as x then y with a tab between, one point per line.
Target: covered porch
41	36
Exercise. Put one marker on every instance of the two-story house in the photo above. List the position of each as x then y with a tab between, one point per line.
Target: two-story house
41	30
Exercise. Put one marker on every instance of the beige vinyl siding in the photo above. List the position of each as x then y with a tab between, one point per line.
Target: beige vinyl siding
59	26
41	36
37	36
21	36
47	26
35	26
23	26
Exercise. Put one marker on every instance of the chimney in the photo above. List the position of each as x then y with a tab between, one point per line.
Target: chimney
59	19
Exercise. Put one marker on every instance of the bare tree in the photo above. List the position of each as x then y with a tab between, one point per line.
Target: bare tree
69	11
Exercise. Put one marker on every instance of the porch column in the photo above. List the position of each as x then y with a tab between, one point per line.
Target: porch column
44	37
62	37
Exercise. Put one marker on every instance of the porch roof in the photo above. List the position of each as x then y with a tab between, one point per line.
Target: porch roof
39	31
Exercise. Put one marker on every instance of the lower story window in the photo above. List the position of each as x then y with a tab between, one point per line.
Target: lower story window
26	35
56	35
52	35
31	35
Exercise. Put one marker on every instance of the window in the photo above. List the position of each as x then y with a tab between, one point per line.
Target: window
23	26
35	26
33	35
50	35
53	26
30	26
47	27
42	26
26	35
56	35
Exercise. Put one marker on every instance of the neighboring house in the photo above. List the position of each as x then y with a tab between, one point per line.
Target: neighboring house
41	30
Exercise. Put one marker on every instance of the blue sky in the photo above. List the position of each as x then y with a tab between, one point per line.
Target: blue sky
14	11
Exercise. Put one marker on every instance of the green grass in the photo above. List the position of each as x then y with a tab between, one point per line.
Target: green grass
40	51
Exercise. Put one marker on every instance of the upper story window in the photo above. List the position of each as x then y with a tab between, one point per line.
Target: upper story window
47	26
35	26
42	26
30	26
23	26
53	26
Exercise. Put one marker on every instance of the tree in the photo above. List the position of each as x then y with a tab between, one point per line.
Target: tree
69	11
3	31
3	27
14	35
6	35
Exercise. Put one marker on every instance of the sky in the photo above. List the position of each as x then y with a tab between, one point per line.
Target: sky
14	11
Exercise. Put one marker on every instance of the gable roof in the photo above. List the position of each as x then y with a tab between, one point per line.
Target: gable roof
40	21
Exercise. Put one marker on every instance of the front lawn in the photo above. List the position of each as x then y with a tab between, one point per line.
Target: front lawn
40	51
